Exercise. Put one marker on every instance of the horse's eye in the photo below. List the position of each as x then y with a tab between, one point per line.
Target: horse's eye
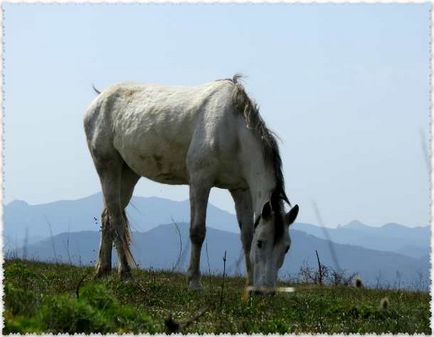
286	250
259	243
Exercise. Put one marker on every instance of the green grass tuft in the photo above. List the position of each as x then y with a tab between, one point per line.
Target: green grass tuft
96	310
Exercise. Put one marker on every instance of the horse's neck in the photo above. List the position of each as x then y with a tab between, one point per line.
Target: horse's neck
261	180
260	191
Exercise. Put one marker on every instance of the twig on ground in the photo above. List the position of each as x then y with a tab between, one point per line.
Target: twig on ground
77	289
53	246
173	326
223	282
207	256
319	268
67	246
26	243
327	236
180	246
200	313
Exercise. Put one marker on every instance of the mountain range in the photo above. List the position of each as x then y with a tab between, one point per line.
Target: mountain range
167	247
68	231
410	241
35	222
23	221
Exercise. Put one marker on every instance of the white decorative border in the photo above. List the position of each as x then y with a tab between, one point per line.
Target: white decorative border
180	2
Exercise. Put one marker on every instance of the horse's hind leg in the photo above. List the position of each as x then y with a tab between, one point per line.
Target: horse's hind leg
110	172
104	262
243	207
128	182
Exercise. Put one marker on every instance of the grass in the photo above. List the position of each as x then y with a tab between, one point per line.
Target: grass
42	297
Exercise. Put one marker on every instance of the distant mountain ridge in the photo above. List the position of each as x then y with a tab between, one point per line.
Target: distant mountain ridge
160	248
43	220
410	241
84	215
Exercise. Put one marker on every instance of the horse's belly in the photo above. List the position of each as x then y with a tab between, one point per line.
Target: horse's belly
161	164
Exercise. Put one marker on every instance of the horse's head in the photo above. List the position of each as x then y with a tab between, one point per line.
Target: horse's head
268	249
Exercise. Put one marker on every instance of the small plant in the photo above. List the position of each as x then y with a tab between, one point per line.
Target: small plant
384	303
309	275
358	282
325	275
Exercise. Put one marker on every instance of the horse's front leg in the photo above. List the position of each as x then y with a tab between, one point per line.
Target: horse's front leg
199	193
243	207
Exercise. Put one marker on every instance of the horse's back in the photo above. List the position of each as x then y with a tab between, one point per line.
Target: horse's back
152	127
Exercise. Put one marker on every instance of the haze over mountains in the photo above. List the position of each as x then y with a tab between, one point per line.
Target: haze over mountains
79	215
410	241
68	231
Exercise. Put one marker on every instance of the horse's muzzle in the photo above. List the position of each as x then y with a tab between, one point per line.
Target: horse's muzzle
261	291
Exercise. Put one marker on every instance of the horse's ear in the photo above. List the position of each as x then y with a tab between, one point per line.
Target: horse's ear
266	211
291	215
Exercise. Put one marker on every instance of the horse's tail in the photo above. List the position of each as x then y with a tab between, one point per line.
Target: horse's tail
126	241
95	89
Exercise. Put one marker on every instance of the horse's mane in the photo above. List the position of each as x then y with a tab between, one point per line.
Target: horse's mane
250	110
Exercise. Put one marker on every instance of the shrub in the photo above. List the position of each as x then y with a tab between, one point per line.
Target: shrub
95	311
327	275
68	315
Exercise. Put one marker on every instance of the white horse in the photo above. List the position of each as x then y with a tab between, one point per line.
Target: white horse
203	136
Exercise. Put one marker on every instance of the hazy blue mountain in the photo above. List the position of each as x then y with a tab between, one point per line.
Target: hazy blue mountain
146	213
84	215
410	241
160	248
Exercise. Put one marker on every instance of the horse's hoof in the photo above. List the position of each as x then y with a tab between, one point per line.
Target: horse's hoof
101	272
195	285
125	275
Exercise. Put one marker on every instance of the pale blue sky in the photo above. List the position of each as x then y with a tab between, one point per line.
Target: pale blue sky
346	87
